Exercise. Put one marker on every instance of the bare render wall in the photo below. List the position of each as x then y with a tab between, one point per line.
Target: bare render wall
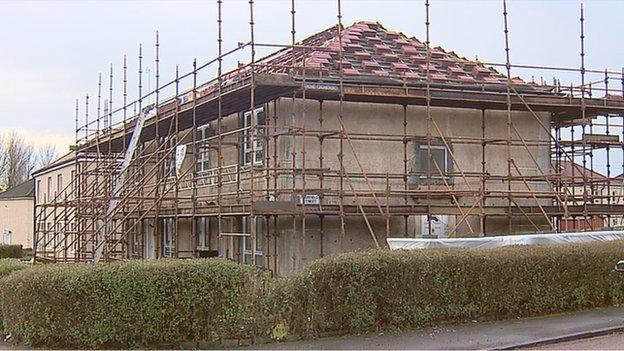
381	157
376	157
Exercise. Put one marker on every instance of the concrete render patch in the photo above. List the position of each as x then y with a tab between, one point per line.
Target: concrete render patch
478	335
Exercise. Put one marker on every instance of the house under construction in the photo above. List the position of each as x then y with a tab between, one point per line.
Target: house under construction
334	144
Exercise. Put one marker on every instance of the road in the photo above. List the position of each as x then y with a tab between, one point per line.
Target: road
606	342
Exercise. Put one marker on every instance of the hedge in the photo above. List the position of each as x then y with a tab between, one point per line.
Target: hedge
365	291
143	303
130	304
9	265
10	251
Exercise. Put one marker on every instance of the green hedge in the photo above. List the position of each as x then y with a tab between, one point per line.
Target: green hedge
374	290
142	303
130	304
9	265
10	251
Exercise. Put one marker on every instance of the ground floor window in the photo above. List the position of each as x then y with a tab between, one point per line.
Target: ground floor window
6	237
168	235
203	233
248	244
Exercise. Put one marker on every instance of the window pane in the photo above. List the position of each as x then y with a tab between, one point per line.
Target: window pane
438	160
438	157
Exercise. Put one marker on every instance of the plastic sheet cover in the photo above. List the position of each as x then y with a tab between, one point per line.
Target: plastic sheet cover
506	240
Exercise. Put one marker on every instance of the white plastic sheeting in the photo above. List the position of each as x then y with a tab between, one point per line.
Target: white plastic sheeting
506	240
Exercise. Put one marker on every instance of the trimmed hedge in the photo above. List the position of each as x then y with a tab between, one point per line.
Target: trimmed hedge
142	303
10	251
130	304
359	292
8	266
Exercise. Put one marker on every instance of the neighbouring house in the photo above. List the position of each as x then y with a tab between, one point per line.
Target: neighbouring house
54	187
356	135
589	185
17	215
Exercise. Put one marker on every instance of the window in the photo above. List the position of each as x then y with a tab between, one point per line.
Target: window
48	196
136	165
73	183
6	237
253	154
439	165
168	237
39	191
59	185
247	242
48	234
203	233
169	164
58	232
202	158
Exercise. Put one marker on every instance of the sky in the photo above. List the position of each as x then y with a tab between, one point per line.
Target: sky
51	52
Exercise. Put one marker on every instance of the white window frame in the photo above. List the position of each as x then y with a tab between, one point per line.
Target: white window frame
59	184
73	183
136	166
169	164
246	241
258	138
6	236
39	199
203	233
168	237
202	155
434	171
48	197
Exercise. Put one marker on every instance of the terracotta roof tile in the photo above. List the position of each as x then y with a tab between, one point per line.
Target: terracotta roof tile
379	72
369	49
350	71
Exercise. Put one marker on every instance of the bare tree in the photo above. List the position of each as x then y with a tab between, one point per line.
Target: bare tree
46	154
19	160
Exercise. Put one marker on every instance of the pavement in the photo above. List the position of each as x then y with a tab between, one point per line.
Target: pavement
507	334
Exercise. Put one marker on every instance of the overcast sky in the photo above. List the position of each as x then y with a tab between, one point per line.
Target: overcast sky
51	51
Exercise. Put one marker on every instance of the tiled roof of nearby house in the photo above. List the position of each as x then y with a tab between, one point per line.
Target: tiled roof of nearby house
371	53
579	171
26	189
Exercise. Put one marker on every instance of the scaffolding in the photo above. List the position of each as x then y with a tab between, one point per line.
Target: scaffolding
215	152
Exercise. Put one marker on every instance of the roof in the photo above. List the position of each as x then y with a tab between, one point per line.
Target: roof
26	189
68	157
579	171
371	53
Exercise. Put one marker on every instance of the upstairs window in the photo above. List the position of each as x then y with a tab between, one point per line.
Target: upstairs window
169	164
439	166
253	154
48	195
136	165
59	185
202	158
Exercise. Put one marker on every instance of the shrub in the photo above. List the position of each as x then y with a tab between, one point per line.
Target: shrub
10	251
358	292
130	304
9	265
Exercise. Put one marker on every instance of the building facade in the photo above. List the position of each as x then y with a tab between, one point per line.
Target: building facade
17	215
356	135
